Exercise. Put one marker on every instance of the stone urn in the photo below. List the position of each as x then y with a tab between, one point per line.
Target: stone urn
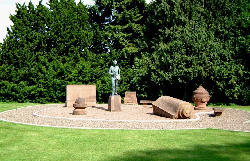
200	98
79	106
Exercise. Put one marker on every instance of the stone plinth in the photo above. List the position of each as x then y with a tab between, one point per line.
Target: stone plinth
146	102
218	111
79	107
114	104
88	92
173	108
130	98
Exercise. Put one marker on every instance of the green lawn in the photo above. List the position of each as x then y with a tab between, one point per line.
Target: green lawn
24	142
8	106
246	108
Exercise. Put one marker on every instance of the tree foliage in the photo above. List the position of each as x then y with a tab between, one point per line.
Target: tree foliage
191	46
167	47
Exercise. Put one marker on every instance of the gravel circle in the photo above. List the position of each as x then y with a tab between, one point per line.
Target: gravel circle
131	117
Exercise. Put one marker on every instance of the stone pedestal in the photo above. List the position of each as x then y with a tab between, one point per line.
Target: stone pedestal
130	98
114	104
79	111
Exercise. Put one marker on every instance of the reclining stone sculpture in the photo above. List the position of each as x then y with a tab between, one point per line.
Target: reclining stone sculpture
174	108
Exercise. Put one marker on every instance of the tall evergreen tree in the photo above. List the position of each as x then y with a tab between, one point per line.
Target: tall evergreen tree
185	52
45	50
167	47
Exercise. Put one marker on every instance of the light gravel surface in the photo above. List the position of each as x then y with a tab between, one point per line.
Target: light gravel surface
131	117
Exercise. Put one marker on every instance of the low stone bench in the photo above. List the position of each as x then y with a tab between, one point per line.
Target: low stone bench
146	102
218	111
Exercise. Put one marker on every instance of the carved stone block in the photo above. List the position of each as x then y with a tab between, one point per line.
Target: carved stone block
173	108
130	98
88	92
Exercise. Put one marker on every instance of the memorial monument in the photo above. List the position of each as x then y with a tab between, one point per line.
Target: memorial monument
114	103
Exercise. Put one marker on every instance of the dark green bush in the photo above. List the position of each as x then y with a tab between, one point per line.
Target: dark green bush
166	47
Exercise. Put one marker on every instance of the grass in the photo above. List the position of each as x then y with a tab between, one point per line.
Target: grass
246	108
25	142
13	105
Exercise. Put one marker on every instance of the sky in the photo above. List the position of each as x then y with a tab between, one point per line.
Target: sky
7	7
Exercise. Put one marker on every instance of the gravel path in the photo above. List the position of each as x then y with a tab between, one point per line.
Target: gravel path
131	117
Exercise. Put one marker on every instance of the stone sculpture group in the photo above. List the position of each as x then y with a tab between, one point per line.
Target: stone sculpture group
81	96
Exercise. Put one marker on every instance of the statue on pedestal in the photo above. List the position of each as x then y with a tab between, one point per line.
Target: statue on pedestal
114	71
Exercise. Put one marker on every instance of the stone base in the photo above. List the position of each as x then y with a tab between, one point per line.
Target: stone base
114	104
199	105
79	112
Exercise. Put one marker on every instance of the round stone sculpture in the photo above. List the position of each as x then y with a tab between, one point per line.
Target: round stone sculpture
79	106
200	98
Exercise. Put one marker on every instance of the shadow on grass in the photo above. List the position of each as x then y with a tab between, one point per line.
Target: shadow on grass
230	152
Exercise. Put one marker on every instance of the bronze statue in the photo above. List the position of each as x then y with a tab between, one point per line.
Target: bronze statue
114	71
